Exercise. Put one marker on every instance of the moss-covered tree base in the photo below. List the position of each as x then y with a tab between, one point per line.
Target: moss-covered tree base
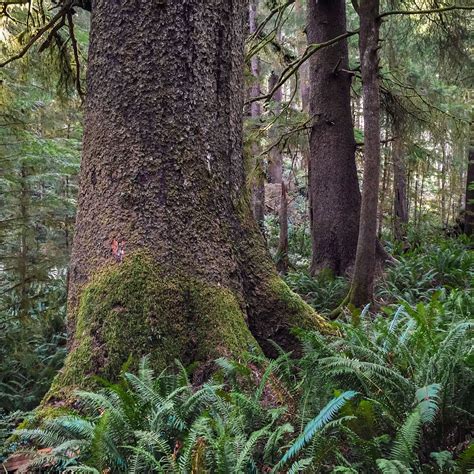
131	309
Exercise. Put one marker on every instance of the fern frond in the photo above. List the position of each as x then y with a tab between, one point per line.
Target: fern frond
324	417
387	466
428	400
407	439
300	466
246	453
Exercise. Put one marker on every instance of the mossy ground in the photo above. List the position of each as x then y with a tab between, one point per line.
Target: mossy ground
131	309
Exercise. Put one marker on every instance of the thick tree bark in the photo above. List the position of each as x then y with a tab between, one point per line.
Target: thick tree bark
400	205
167	259
365	264
335	195
469	213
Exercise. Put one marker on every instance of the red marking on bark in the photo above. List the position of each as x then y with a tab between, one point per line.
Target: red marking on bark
118	249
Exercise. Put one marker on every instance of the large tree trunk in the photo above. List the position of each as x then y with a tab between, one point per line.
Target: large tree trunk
365	264
469	213
167	258
335	195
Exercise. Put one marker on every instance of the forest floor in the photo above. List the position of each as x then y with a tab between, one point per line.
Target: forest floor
392	393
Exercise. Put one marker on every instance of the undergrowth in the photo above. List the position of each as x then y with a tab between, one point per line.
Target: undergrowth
391	394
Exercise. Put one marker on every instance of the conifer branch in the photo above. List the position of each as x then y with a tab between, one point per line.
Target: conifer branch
51	24
293	67
425	12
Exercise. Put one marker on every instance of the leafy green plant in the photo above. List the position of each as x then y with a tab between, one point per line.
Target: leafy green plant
325	416
419	273
387	359
322	292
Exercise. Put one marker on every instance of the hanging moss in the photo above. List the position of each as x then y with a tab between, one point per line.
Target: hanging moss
131	309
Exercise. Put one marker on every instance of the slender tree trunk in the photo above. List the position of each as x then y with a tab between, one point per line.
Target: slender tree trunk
444	221
335	195
258	181
422	193
275	164
415	197
469	212
304	87
24	304
409	180
167	258
400	206
364	270
282	264
275	176
385	189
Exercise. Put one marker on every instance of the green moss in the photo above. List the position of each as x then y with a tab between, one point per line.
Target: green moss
131	310
298	313
222	322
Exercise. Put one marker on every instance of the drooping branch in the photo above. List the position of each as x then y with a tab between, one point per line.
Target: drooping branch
52	34
304	127
430	105
51	24
271	36
294	66
426	12
311	49
76	54
280	9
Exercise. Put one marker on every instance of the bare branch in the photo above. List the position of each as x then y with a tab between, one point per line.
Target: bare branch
59	15
293	67
425	12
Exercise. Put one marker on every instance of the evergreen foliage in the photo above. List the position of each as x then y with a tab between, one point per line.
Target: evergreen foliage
389	392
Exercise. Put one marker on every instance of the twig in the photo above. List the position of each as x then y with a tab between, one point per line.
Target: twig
295	65
59	15
425	12
387	140
76	55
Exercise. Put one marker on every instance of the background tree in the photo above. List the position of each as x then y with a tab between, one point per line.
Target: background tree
257	172
469	216
40	137
364	270
334	188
